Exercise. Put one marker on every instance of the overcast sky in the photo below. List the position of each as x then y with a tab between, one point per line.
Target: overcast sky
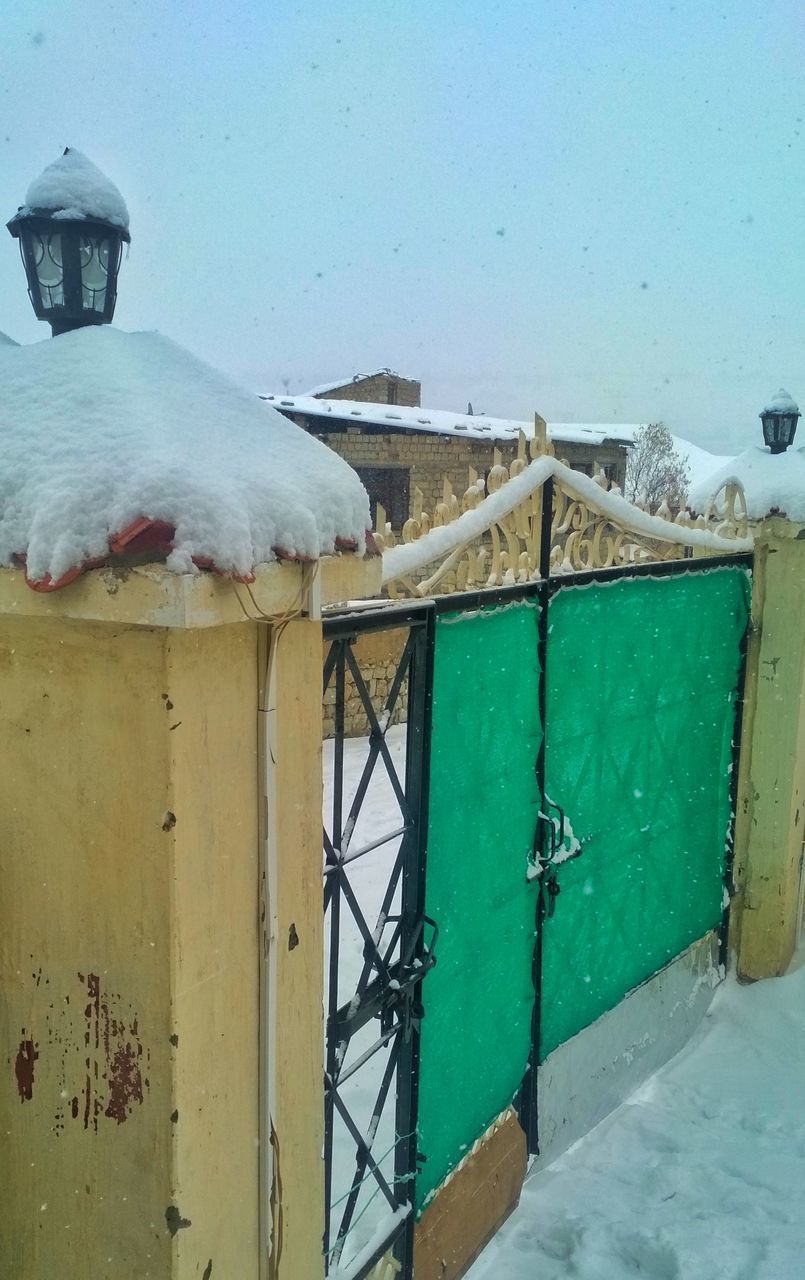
594	209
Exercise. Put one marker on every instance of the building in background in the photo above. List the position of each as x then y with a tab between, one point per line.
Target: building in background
396	446
384	386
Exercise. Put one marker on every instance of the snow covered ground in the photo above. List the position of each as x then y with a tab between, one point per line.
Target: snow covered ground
700	1175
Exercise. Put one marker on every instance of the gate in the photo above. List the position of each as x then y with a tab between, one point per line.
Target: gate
568	767
642	685
379	943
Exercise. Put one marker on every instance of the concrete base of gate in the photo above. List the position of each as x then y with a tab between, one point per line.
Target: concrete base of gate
585	1079
472	1203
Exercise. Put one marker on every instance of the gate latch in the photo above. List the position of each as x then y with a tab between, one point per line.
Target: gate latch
400	995
548	840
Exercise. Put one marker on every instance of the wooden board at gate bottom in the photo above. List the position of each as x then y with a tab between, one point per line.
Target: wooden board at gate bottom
472	1203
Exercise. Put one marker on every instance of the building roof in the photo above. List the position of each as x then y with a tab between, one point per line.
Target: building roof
356	377
444	422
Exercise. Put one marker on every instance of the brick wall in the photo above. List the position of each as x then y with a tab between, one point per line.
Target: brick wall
431	458
375	390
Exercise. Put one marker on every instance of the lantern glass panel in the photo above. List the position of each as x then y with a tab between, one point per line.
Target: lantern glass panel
47	256
95	255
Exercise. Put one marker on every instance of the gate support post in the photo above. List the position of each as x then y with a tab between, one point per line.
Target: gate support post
770	816
295	977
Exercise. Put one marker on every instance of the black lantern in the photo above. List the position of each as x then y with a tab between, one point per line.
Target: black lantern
72	254
779	420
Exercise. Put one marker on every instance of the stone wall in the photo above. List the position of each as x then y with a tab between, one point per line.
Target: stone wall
377	654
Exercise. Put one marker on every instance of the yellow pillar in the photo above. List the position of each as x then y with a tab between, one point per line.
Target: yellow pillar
770	817
134	840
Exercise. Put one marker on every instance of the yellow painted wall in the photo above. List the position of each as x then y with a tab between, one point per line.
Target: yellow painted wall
84	940
128	875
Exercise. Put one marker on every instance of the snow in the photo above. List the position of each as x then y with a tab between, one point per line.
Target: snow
347	382
411	557
391	1220
701	464
444	422
99	428
781	403
772	483
700	1173
5	341
74	187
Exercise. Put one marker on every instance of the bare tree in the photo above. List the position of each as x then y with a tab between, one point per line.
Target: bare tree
654	469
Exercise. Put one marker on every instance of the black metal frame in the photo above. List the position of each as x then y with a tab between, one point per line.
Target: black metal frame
389	987
737	738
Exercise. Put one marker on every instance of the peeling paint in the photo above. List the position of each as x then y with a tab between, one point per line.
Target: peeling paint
293	937
114	1062
168	821
207	1271
24	1068
175	1221
125	1082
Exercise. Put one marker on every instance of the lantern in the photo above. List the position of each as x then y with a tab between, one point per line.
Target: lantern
779	419
71	232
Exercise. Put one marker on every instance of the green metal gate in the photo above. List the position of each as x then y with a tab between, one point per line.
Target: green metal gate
484	800
581	771
641	688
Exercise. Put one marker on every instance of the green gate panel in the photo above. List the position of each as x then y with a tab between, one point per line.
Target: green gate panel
483	806
642	680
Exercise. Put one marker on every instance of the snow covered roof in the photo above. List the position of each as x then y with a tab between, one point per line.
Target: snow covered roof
356	377
5	341
73	187
773	483
444	422
700	463
113	442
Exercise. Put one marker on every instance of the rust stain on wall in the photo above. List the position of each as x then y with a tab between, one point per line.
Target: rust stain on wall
103	1061
125	1081
93	1040
24	1068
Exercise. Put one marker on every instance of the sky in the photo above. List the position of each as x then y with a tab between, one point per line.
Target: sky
592	210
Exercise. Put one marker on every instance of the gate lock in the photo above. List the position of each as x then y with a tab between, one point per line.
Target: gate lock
548	839
399	996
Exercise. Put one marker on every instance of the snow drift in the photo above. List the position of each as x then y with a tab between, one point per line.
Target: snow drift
113	441
773	483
